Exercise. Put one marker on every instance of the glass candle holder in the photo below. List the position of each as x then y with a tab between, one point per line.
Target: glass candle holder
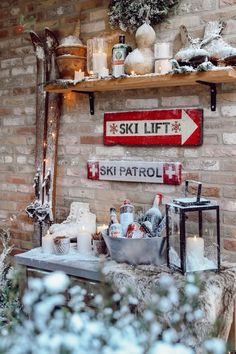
97	56
163	66
163	50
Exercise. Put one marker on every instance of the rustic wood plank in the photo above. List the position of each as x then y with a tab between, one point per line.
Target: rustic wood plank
141	82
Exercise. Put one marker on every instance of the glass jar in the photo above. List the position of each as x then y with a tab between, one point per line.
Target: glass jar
97	57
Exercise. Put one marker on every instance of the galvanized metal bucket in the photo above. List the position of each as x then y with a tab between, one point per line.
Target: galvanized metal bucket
136	251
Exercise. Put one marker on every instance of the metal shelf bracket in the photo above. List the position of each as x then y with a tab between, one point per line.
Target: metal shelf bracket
91	97
213	92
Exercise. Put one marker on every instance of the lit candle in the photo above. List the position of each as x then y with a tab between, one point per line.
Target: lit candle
104	72
132	72
163	66
163	50
195	247
101	228
99	62
84	240
79	75
47	243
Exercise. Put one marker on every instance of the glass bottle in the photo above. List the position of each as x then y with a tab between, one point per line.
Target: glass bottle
119	53
113	217
154	214
126	215
115	229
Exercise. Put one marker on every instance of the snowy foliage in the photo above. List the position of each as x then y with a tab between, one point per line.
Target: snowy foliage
9	304
61	322
129	15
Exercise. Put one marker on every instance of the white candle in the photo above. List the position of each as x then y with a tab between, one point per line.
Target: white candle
47	243
84	241
79	75
101	228
104	72
99	62
163	66
195	247
162	50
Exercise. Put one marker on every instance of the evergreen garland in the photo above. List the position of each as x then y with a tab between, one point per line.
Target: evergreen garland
130	15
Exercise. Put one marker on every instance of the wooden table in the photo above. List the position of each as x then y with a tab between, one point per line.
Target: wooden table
217	298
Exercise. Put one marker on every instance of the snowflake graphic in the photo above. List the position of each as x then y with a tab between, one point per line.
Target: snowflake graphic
113	128
176	127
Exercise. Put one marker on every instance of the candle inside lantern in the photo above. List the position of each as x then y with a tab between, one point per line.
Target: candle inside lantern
99	62
47	243
195	247
84	240
79	75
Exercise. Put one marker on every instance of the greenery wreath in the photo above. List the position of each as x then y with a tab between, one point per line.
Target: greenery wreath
129	15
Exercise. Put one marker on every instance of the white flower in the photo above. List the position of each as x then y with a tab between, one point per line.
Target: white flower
191	290
215	346
56	282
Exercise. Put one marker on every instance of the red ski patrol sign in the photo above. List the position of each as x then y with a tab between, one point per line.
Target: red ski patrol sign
158	127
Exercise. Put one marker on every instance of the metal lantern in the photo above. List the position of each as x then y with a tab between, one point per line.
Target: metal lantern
193	233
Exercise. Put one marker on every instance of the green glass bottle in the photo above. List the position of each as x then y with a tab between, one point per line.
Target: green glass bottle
119	53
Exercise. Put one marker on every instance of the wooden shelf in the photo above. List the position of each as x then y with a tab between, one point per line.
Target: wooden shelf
210	78
142	82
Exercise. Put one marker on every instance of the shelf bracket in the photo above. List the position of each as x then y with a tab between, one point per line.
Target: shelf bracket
91	97
213	92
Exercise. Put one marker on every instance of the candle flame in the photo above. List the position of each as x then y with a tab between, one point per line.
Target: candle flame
132	72
91	72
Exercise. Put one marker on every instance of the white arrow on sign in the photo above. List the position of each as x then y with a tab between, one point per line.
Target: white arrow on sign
188	127
183	127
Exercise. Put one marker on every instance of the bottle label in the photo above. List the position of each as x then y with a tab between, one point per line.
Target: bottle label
115	230
118	56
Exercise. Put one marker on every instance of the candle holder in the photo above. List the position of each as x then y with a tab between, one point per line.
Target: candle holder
163	52
97	56
193	233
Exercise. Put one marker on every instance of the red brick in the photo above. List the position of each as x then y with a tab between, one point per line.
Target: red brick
230	245
91	140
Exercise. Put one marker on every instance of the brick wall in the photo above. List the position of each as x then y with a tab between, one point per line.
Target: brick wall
81	134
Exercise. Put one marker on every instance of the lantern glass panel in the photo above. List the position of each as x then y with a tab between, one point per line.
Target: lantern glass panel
174	238
193	240
201	240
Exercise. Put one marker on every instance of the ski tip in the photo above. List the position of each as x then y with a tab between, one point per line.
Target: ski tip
49	33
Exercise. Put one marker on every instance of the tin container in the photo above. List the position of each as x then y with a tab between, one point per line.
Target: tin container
137	251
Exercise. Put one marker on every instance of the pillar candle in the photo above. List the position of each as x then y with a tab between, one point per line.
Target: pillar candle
163	66
195	246
79	75
99	62
47	243
162	50
84	240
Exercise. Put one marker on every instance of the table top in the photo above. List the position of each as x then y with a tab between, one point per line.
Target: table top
74	264
216	297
